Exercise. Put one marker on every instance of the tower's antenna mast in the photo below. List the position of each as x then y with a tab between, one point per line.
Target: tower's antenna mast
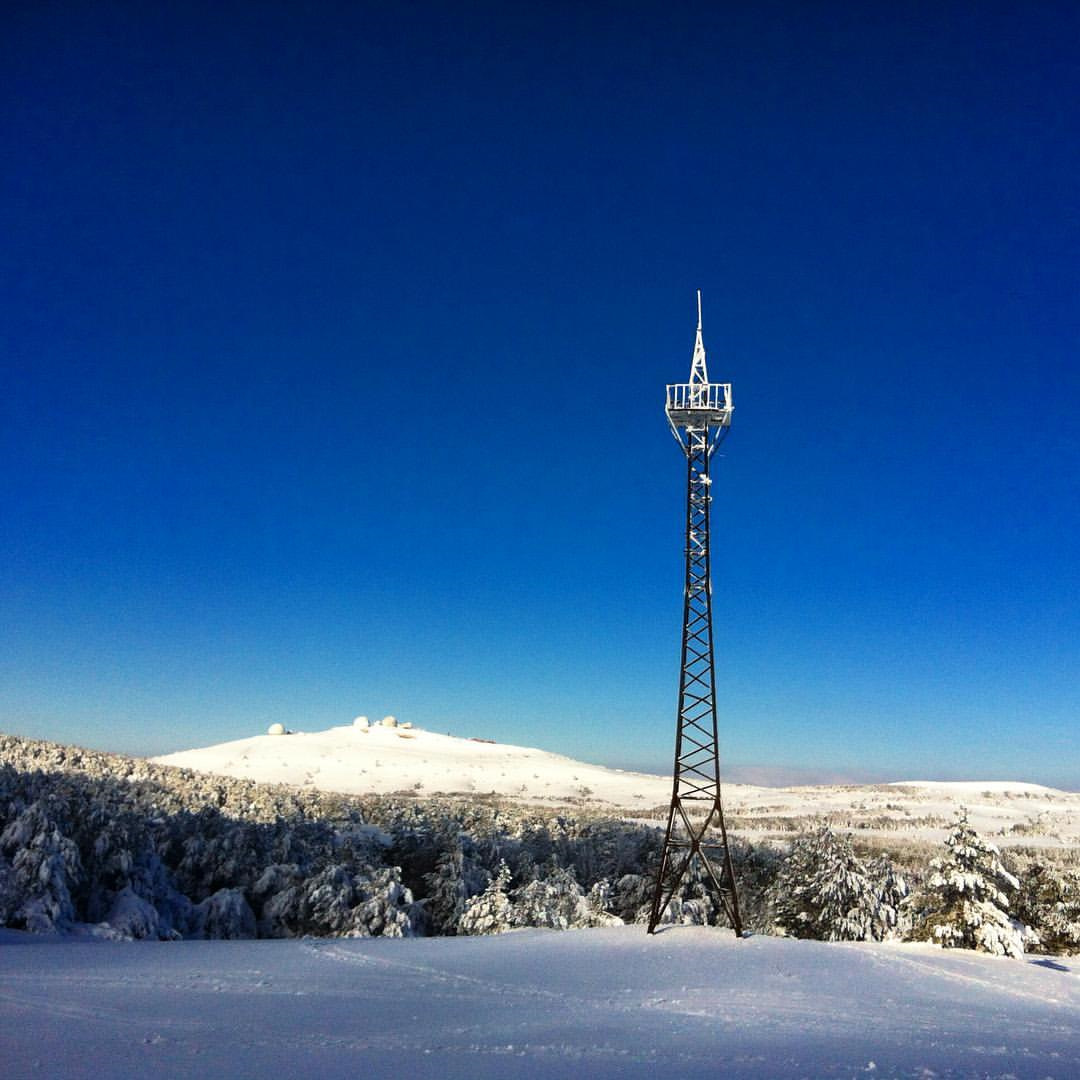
696	844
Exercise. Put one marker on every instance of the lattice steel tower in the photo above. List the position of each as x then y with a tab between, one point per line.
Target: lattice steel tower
699	413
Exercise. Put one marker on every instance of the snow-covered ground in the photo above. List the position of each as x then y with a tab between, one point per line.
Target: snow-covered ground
689	1002
1010	813
382	760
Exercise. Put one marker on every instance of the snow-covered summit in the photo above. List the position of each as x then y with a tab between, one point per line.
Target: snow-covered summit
380	760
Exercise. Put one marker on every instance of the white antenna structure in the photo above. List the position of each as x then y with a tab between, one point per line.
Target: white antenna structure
699	405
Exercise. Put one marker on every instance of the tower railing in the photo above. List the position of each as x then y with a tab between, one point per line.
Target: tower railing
683	397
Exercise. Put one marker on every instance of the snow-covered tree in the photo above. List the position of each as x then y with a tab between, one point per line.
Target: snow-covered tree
385	907
606	849
224	915
824	891
326	903
555	900
276	896
335	902
491	911
791	912
843	894
631	897
694	903
128	888
601	900
756	867
891	890
964	904
45	870
132	917
448	891
1048	902
10	892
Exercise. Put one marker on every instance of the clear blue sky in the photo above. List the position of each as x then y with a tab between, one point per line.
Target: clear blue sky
334	340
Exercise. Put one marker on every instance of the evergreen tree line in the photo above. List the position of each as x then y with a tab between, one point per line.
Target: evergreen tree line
118	847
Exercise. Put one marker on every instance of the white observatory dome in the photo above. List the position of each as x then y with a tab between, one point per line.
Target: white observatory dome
389	721
276	729
361	722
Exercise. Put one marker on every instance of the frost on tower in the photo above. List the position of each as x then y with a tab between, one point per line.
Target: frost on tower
696	845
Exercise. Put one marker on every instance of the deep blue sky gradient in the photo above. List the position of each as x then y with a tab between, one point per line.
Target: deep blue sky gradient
334	340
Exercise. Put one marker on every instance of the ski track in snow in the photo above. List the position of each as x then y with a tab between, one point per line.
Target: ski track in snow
342	954
599	1003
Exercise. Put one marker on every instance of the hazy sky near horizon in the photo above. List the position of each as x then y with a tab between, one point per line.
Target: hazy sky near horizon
334	341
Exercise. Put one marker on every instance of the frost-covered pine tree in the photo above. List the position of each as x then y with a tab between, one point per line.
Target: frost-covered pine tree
756	867
277	895
823	891
965	902
336	902
845	897
891	890
555	900
792	915
45	870
385	907
10	897
601	900
325	903
631	897
693	903
1048	902
448	891
226	915
491	911
131	917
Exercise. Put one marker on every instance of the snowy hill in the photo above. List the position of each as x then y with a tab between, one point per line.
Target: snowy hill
598	1003
381	760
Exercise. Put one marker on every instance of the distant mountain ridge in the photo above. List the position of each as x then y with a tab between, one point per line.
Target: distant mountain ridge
385	760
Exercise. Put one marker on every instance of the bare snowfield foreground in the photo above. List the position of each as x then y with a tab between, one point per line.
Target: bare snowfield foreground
689	1002
381	760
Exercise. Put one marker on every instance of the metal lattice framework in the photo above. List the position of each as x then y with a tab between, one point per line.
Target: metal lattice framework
696	844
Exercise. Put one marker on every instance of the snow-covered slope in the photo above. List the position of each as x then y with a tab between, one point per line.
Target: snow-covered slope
381	760
977	787
689	1002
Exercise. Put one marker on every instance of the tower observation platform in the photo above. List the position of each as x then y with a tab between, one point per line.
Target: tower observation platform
691	405
698	404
